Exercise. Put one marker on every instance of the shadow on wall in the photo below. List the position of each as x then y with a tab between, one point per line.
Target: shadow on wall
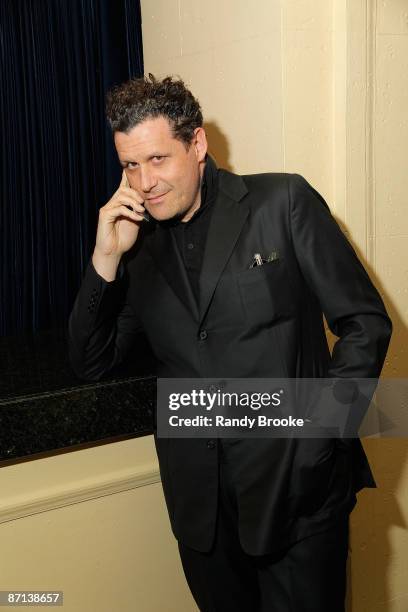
218	146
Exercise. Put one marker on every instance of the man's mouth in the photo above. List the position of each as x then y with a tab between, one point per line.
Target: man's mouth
156	199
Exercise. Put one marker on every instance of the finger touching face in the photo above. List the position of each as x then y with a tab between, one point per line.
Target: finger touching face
124	181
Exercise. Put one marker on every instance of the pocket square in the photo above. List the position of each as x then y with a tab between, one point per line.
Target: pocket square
258	259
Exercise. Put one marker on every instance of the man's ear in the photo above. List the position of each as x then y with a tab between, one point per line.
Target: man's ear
200	143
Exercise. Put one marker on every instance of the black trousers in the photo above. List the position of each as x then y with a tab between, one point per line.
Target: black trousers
310	576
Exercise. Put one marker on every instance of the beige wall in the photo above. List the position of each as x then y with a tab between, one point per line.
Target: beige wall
378	98
93	524
317	87
251	70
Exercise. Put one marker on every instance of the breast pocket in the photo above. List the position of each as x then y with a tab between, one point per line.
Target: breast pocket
266	292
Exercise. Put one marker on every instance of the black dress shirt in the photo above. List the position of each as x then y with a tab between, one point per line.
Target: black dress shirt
191	235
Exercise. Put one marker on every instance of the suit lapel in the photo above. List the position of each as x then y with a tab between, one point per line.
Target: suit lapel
227	220
166	254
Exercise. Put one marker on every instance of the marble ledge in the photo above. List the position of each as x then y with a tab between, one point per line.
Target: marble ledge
46	409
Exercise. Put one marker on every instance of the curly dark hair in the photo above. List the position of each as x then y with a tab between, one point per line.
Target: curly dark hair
132	102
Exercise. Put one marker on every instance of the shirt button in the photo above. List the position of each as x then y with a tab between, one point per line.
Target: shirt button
211	444
203	334
190	246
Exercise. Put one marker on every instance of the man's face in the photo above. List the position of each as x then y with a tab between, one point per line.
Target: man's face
161	169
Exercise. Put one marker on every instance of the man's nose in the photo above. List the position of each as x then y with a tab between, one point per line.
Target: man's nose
147	179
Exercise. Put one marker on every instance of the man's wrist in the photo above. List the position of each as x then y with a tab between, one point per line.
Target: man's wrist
105	266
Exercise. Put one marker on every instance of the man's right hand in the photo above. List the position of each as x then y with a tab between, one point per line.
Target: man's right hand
118	228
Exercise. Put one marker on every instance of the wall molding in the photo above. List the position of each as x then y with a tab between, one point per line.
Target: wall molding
78	492
359	213
371	68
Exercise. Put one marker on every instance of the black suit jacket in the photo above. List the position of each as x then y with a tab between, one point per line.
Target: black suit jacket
260	322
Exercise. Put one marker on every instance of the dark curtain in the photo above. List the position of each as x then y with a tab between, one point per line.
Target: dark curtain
58	165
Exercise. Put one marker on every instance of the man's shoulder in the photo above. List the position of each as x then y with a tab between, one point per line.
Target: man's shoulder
275	180
266	183
274	191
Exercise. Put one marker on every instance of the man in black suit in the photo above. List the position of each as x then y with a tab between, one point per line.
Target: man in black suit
261	524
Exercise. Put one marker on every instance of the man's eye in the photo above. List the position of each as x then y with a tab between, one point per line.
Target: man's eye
158	158
131	165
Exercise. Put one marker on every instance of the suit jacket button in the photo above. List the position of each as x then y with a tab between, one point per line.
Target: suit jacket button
211	444
203	334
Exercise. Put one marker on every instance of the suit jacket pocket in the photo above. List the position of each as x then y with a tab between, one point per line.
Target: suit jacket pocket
265	292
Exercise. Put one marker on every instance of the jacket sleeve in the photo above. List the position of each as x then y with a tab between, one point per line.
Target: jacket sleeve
351	304
102	326
353	308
